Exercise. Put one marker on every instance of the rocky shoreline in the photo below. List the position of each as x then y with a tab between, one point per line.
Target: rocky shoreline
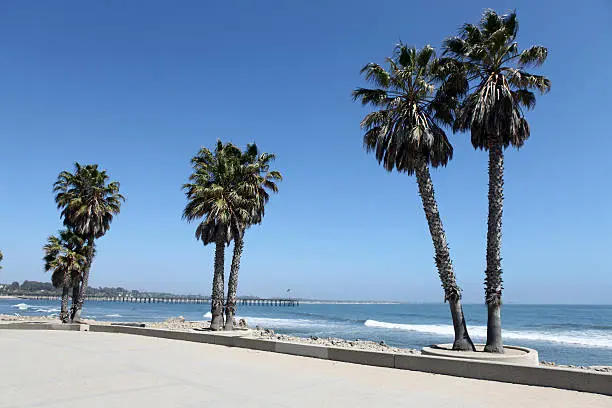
180	324
366	345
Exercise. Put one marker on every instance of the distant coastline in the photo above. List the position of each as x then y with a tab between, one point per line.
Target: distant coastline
347	302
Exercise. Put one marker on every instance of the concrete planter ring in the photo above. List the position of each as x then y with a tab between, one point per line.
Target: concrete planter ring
512	354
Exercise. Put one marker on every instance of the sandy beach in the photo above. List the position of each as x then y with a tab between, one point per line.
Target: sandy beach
76	369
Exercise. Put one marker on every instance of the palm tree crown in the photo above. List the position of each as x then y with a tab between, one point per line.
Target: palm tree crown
88	201
213	195
489	57
254	179
65	256
407	127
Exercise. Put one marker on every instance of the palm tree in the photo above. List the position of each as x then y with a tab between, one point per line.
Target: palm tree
253	179
65	257
212	198
88	202
405	134
492	111
1	258
498	89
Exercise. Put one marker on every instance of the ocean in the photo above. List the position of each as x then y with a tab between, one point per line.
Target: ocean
565	334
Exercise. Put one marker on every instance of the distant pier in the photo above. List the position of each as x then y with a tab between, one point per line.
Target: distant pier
178	299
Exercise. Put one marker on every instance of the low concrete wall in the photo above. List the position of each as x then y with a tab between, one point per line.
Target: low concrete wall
512	354
362	357
305	350
196	337
40	326
565	378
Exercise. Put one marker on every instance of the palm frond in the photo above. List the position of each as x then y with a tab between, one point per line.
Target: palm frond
533	56
491	65
404	130
228	190
370	96
88	201
376	74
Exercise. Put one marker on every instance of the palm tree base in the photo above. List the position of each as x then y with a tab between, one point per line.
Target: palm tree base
463	342
494	333
494	348
217	323
76	317
229	319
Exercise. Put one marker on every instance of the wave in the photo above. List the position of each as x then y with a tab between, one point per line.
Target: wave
332	318
50	310
113	315
208	315
38	309
23	306
270	322
588	338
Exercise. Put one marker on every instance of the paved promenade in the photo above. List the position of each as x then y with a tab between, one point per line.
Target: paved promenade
89	370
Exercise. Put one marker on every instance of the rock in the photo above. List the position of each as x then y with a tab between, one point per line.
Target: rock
242	323
180	319
315	338
382	343
602	368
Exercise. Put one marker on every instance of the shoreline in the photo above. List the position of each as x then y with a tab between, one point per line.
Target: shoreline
182	325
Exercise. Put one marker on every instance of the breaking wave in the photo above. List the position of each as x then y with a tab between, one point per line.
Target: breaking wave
588	338
270	322
23	306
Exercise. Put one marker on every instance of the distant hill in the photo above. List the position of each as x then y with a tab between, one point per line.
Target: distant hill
46	289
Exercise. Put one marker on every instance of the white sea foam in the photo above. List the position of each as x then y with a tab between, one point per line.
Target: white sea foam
50	310
23	306
113	315
208	315
588	338
284	323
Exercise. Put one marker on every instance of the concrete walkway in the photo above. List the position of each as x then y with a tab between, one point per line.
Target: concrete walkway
89	370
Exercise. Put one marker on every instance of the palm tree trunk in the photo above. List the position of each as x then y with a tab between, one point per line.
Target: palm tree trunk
218	286
452	292
75	298
64	307
232	286
493	280
83	288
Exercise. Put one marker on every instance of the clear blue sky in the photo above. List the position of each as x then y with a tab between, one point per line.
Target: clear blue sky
139	86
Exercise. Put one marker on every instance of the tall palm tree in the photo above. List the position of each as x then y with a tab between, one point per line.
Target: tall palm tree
65	256
498	90
1	258
405	133
253	180
88	202
213	199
